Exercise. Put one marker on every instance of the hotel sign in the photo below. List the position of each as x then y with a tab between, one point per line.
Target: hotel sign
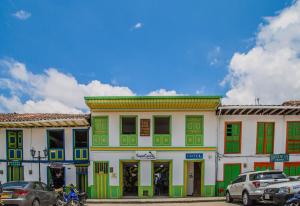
279	158
192	156
145	127
145	155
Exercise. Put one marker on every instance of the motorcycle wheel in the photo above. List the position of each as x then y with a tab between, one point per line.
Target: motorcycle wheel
293	204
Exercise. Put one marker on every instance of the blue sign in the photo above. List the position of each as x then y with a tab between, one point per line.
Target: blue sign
279	158
194	156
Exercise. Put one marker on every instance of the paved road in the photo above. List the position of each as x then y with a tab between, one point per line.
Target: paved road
175	204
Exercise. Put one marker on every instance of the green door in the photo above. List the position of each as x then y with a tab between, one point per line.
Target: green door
231	171
82	178
101	180
15	173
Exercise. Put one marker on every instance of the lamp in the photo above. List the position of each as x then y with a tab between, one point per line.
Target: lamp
32	151
45	152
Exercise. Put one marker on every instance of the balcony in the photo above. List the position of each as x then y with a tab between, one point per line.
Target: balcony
81	154
56	154
15	154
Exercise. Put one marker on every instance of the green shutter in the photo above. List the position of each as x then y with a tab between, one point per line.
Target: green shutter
194	131
233	135
128	139
269	137
260	137
293	137
231	171
100	131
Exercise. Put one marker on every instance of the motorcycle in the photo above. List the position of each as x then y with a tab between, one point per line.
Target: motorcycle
294	200
74	198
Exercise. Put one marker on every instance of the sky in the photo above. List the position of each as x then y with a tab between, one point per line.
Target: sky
53	53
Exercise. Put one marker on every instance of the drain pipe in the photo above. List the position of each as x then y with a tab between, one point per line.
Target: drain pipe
217	151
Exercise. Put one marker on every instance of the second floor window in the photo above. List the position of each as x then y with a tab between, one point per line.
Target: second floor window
293	137
232	137
162	125
56	138
81	138
128	125
265	138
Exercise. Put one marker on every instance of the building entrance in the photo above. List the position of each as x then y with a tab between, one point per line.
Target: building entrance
194	180
130	178
161	178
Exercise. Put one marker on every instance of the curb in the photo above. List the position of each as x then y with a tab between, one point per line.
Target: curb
153	201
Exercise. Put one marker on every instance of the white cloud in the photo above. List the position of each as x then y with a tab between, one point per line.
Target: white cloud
163	92
22	14
51	91
138	25
214	56
271	69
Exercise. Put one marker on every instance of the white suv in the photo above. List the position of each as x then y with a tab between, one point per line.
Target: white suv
249	187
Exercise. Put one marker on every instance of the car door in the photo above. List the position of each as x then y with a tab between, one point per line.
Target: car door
232	189
240	186
41	193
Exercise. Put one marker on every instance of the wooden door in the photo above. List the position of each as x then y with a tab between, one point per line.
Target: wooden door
197	179
101	179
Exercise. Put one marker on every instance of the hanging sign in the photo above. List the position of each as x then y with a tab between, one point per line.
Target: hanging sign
194	155
279	158
145	155
145	127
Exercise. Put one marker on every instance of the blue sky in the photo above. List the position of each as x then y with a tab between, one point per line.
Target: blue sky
186	46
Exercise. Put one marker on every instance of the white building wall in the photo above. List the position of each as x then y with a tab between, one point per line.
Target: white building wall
248	155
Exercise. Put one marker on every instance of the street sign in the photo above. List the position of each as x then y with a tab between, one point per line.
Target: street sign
194	156
279	158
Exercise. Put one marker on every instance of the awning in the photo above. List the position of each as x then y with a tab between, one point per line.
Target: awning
152	103
258	110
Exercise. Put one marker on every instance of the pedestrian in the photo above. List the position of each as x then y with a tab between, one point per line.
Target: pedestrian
156	184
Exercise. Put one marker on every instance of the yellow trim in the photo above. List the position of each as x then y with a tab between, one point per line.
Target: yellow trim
185	176
153	148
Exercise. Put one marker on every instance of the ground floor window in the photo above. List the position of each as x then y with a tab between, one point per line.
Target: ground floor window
15	173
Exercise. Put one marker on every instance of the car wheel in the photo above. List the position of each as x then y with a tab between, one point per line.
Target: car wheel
228	197
246	199
35	203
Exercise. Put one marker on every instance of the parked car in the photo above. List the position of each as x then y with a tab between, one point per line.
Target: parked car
23	193
281	192
249	187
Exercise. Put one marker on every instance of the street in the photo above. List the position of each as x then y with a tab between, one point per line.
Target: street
177	204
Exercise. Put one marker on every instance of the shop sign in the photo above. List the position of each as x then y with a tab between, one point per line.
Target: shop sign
145	127
145	155
191	156
279	158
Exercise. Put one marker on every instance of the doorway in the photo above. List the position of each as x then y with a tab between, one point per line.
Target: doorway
194	178
161	178
130	178
56	175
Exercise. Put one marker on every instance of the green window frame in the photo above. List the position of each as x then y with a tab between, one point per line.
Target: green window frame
14	144
233	134
293	138
265	138
162	139
100	131
56	153
194	130
128	139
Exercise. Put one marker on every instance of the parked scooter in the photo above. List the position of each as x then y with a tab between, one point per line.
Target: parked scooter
294	200
74	198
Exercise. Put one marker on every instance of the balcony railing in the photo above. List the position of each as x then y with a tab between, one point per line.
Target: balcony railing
81	154
56	154
15	154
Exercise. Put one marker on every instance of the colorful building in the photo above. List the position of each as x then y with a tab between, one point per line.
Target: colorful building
152	146
62	137
143	146
257	137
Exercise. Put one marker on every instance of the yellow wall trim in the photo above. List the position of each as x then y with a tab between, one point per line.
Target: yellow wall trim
153	148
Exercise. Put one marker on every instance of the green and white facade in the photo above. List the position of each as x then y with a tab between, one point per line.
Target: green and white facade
185	140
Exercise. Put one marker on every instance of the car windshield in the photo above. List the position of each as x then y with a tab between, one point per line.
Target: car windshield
14	184
269	175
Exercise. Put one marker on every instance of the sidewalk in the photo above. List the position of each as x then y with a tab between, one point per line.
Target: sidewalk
155	200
